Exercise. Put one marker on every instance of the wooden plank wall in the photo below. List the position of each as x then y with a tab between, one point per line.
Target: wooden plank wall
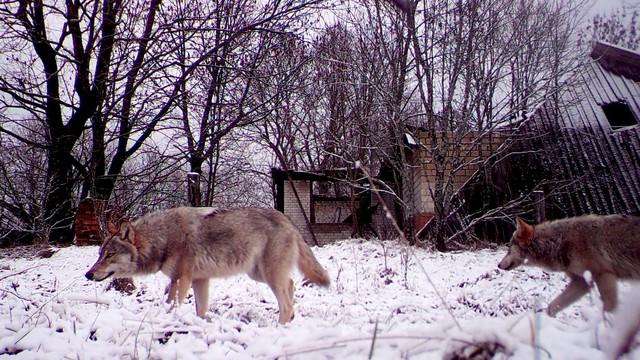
570	152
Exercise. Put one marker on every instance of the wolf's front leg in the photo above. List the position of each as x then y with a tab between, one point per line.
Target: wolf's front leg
178	291
171	291
575	290
607	287
201	292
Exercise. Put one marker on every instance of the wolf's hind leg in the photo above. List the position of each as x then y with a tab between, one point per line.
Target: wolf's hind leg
201	292
574	291
607	287
184	283
283	289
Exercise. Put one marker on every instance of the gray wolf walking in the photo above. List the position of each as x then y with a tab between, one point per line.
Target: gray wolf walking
192	245
606	246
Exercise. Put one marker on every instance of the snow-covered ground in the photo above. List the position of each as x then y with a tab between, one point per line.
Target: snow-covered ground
386	301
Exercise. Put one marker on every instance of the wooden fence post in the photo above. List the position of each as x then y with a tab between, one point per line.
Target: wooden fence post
539	206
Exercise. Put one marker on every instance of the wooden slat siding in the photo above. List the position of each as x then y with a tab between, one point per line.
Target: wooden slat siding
623	89
597	84
611	88
547	139
628	173
623	179
569	163
629	158
588	89
608	85
632	146
618	87
581	146
631	143
572	143
605	202
601	124
598	134
572	153
629	187
635	93
627	142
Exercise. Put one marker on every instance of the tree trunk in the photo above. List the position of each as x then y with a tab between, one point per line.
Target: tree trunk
59	211
193	189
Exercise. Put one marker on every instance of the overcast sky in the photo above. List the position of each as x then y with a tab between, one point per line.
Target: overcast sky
604	6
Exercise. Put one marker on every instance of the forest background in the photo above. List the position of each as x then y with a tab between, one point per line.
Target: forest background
120	100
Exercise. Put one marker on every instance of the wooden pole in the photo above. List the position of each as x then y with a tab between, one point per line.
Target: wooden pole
193	189
539	206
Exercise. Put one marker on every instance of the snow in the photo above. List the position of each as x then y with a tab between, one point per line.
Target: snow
420	304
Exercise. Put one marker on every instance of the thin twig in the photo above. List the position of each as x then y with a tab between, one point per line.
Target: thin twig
374	188
19	272
18	296
344	342
373	340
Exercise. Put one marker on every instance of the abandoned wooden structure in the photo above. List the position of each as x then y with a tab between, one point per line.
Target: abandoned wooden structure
327	206
582	152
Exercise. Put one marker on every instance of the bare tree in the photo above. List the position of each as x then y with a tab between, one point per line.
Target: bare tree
110	66
480	64
341	100
68	52
219	97
21	191
290	130
620	27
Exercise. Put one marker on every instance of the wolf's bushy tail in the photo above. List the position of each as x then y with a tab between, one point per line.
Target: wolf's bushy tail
309	265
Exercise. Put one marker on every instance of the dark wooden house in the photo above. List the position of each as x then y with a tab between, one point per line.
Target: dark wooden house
579	154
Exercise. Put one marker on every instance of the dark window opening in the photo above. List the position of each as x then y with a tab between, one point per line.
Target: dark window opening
619	115
332	203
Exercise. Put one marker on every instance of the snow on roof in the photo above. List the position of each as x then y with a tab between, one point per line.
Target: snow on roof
411	141
617	60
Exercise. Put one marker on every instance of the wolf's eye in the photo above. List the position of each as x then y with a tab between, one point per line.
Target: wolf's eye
109	255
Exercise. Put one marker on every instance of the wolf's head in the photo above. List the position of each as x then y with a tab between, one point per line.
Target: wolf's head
519	240
118	254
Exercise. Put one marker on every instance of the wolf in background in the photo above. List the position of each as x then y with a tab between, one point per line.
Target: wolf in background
191	245
606	246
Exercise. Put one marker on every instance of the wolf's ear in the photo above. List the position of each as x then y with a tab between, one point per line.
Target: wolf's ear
524	231
112	228
127	232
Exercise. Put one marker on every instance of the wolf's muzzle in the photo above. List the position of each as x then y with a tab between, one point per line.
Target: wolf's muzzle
90	275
